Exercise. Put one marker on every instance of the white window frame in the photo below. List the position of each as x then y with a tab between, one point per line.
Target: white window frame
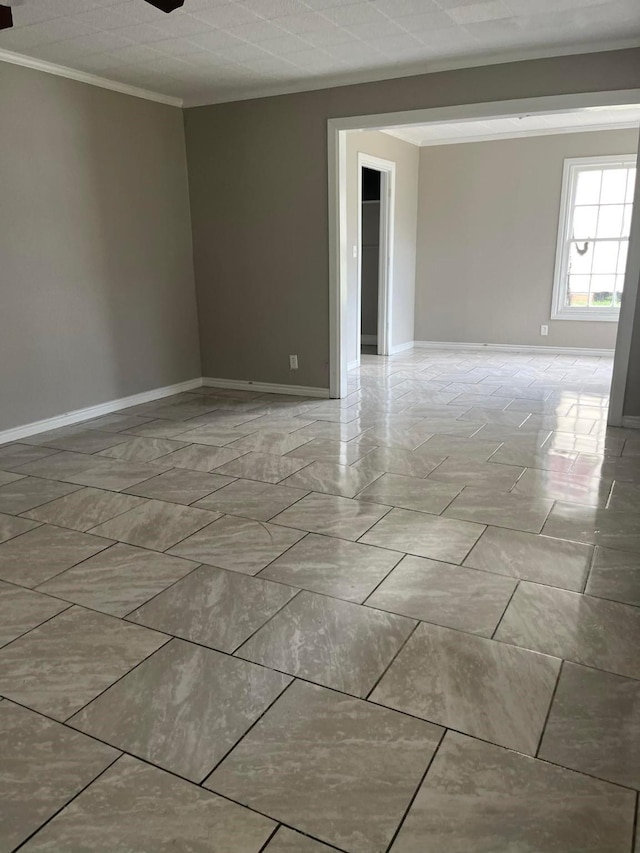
559	309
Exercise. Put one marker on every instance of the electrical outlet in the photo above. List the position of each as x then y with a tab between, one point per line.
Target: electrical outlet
544	330
293	362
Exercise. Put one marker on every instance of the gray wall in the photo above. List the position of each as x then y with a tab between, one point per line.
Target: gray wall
258	179
406	158
96	272
487	231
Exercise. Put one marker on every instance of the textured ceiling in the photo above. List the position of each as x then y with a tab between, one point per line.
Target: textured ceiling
216	50
507	127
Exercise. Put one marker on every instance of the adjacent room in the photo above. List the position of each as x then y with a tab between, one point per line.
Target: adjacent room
319	426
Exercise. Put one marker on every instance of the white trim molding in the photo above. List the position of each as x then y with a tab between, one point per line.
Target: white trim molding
265	387
79	415
401	347
457	345
86	77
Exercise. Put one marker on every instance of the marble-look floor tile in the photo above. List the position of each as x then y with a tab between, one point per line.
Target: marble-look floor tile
287	841
10	526
326	429
119	579
266	467
336	567
481	798
410	493
607	527
572	488
615	575
469	448
559	461
156	524
180	486
84	509
252	499
594	725
214	607
76	439
116	423
143	449
338	768
199	457
239	544
334	643
459	471
116	474
486	689
580	628
161	428
43	765
624	497
39	554
63	664
502	509
23	609
445	595
153	809
7	477
213	435
269	442
334	452
391	435
332	479
531	557
424	535
29	492
15	455
183	708
395	460
59	465
343	518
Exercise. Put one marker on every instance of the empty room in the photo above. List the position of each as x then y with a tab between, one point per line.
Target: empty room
319	426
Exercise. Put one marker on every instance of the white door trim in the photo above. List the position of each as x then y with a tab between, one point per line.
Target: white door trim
337	161
387	169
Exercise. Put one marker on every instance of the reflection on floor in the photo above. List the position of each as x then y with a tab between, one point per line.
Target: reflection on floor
407	620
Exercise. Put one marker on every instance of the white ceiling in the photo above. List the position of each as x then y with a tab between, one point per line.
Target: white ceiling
510	127
218	50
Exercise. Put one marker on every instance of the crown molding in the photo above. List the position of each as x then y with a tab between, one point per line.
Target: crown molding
85	77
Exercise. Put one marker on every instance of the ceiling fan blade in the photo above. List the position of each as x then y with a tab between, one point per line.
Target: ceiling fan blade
166	5
6	18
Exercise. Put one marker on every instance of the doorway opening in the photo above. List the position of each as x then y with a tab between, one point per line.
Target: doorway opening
376	199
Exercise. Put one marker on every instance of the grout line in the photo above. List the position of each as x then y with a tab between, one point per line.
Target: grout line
548	714
417	790
68	803
393	659
495	630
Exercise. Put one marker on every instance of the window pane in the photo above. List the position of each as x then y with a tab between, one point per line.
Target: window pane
619	289
622	257
605	257
588	186
577	291
580	257
614	186
602	287
631	183
626	220
610	220
585	221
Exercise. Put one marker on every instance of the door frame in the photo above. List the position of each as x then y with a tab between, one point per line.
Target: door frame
387	169
337	129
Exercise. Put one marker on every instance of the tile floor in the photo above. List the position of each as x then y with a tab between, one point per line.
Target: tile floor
405	621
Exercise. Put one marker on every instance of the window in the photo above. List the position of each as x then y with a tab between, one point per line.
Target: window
593	237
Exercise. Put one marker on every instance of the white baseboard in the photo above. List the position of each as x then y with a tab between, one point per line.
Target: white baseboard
265	387
631	421
456	345
402	347
369	340
79	415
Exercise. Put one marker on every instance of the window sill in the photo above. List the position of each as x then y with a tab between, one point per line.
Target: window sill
588	316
